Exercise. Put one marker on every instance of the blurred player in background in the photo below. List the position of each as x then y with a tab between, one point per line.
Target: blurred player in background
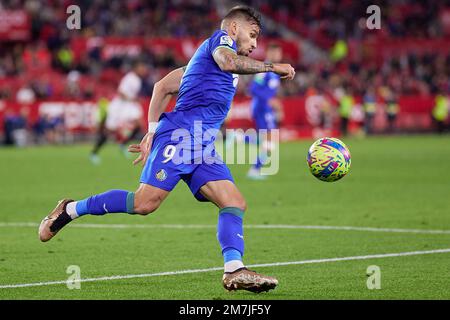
124	113
205	89
267	110
369	105
318	110
440	111
102	113
346	103
391	106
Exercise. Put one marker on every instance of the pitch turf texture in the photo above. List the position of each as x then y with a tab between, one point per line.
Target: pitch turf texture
395	183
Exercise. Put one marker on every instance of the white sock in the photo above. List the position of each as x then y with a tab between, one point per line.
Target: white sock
71	210
233	265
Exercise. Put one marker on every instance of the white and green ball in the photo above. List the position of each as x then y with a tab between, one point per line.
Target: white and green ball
329	159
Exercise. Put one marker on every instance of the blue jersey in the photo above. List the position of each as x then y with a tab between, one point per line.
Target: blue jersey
205	95
263	88
206	91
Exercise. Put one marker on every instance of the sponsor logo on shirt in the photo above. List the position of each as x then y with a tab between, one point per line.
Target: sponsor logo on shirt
226	40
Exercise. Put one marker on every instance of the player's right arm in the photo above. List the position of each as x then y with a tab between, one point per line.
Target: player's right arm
229	61
163	91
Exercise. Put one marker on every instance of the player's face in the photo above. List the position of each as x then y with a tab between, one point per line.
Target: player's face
142	70
274	54
247	35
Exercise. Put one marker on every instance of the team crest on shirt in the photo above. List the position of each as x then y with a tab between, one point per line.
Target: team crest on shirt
161	175
226	40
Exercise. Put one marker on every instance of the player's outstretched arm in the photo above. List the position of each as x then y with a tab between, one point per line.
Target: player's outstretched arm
229	61
163	91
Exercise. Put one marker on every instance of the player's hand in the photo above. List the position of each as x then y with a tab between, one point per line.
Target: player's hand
285	70
143	148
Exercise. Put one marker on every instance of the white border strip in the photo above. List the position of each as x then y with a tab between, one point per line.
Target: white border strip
250	226
275	264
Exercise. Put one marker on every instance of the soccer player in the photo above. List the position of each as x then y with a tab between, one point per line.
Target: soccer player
266	108
124	111
205	90
370	107
391	106
346	103
440	110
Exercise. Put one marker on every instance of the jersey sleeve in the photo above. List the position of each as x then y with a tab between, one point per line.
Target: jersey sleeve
222	40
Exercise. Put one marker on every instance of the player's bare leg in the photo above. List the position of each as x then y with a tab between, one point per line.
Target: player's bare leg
228	198
148	198
224	193
145	200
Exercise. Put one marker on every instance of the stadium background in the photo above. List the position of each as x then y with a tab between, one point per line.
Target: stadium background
394	201
51	78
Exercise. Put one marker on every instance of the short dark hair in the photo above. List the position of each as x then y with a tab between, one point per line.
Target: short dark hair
246	11
137	61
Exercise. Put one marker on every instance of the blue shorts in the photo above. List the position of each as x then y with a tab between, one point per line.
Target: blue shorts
173	159
264	120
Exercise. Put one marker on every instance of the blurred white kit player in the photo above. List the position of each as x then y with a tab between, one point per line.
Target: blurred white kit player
124	115
124	109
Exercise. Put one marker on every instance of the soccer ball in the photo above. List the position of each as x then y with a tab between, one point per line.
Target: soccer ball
328	159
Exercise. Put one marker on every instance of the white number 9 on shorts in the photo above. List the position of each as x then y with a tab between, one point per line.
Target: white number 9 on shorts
168	153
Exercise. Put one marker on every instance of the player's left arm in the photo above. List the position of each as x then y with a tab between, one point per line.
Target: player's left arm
163	91
229	61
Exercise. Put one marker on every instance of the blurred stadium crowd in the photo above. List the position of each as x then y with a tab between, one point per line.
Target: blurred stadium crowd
398	59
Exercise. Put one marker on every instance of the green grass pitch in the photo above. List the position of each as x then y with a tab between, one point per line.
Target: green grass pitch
394	182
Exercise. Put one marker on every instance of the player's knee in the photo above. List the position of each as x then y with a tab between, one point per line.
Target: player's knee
148	200
147	207
240	204
236	202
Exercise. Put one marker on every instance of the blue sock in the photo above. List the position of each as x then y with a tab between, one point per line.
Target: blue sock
260	160
108	202
230	233
231	254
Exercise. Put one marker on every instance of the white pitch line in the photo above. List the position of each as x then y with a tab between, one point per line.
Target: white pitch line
275	264
250	226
